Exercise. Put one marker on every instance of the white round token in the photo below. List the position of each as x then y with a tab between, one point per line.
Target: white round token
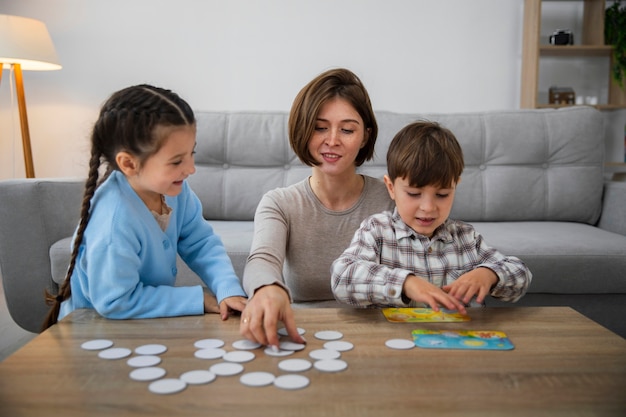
209	343
114	353
167	386
283	331
400	344
287	345
209	353
294	365
339	345
271	352
142	361
153	349
239	356
328	335
291	381
198	377
226	368
147	374
330	365
246	344
97	344
257	379
320	354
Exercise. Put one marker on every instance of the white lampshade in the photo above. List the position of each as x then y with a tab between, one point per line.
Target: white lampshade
26	42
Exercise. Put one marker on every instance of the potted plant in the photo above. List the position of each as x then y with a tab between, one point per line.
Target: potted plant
615	34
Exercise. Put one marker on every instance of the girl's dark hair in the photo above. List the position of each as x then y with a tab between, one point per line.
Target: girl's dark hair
341	83
425	153
128	122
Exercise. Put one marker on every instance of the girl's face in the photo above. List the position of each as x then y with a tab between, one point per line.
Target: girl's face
338	136
422	209
164	172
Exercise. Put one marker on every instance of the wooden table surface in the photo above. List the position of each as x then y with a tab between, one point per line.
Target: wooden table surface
562	364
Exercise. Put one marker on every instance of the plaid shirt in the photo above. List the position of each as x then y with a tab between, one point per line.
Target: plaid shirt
384	251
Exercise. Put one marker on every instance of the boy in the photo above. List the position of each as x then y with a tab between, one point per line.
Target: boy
416	256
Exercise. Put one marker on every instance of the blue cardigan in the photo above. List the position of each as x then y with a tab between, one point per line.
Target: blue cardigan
126	265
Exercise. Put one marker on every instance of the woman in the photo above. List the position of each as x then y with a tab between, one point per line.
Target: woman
301	229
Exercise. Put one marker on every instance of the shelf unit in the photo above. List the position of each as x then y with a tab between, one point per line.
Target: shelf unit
592	45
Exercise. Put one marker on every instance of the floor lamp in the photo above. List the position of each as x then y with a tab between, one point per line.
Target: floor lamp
25	44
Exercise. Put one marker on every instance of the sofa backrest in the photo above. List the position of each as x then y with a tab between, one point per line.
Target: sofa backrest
520	164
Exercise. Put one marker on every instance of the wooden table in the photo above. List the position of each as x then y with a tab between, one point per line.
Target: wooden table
562	364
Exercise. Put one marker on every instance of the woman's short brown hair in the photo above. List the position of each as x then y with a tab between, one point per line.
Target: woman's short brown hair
425	153
307	104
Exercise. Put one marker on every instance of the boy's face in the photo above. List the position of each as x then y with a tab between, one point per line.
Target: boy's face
422	209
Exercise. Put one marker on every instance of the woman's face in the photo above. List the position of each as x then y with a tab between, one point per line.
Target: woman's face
338	136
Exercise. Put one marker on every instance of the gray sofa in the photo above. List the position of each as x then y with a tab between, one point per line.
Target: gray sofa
533	186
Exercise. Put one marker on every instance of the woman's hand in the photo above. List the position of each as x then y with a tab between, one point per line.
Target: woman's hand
259	319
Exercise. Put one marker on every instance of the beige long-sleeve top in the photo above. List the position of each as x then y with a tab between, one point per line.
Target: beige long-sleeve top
296	238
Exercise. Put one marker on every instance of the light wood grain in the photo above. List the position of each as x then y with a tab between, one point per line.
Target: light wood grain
562	364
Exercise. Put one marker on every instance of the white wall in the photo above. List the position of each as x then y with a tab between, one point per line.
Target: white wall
413	56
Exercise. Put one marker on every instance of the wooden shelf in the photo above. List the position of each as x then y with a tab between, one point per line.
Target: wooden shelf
576	50
592	46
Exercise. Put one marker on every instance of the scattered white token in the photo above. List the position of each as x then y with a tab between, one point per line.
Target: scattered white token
97	344
287	345
142	361
283	331
226	368
291	381
257	379
153	349
209	353
400	344
114	353
209	343
246	344
167	386
271	352
294	365
147	374
328	335
198	377
330	365
339	345
239	356
320	354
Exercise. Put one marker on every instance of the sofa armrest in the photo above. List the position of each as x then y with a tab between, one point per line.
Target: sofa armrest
34	213
613	217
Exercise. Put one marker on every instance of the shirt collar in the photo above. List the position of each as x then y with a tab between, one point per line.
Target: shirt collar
403	230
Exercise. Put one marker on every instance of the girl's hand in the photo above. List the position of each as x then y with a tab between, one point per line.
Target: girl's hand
230	304
227	306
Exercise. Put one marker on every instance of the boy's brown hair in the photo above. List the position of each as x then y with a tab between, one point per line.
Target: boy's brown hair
425	153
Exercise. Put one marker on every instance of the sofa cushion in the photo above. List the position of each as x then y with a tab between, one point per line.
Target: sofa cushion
590	260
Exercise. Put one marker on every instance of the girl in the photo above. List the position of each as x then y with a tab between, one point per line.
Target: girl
142	213
299	230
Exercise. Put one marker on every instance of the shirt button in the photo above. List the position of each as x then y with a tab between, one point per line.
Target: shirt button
174	271
166	244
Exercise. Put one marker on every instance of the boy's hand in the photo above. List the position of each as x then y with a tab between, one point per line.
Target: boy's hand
420	290
477	282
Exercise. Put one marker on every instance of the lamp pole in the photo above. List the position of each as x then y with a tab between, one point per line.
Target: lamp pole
21	104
